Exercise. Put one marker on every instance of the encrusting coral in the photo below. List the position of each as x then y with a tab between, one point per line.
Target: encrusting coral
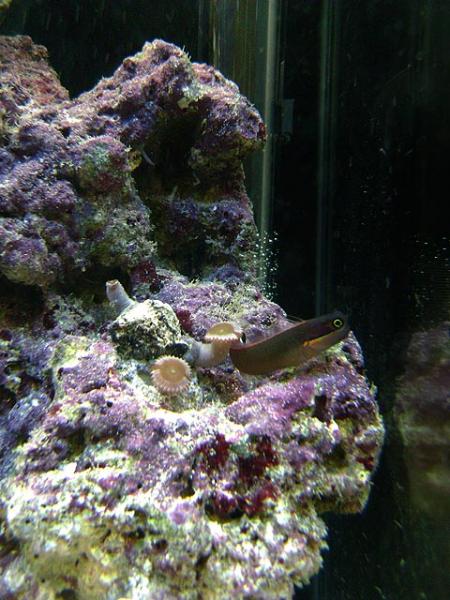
109	488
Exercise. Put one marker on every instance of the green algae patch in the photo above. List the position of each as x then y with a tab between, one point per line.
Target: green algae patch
68	351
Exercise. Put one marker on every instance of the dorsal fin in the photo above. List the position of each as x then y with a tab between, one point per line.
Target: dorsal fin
292	319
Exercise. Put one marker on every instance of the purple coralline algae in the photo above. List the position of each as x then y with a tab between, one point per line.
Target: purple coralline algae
422	413
109	487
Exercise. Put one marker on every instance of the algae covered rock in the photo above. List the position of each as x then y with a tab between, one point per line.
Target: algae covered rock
145	329
109	487
115	494
84	182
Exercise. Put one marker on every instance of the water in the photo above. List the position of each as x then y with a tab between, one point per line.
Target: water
349	210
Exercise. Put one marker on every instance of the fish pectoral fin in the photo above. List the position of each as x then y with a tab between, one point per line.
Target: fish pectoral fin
311	343
318	344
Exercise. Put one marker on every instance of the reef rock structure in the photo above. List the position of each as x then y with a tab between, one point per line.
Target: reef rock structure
109	487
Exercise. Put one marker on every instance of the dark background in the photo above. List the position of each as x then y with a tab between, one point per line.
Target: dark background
386	242
88	39
386	248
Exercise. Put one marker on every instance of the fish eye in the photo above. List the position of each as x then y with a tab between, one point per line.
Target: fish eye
338	323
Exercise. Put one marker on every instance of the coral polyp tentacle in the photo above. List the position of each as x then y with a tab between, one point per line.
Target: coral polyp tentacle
170	374
223	333
216	347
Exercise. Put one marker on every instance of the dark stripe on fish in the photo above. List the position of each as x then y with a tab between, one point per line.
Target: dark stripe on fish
292	346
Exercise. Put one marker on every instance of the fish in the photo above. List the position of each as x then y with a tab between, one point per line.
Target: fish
291	347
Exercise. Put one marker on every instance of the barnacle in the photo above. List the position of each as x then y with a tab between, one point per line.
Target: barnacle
170	374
